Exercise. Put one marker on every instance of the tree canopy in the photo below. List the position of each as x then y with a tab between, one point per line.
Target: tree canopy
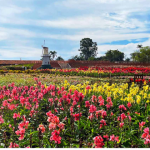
142	55
88	48
59	58
53	54
114	55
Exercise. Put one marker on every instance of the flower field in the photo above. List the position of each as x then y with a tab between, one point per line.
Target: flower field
89	72
49	112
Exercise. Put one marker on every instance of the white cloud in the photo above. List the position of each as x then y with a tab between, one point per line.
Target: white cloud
20	52
127	49
104	21
13	33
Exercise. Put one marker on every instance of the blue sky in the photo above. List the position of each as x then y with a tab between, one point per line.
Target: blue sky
113	24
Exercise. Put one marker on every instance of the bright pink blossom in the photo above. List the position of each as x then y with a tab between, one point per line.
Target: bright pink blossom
141	125
98	141
55	137
1	120
13	145
92	108
121	124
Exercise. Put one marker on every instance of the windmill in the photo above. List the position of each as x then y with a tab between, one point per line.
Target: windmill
46	58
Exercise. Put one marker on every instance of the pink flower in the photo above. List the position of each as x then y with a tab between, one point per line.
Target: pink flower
87	104
77	116
129	118
16	115
20	132
1	120
122	107
13	145
113	138
146	130
91	117
98	141
137	113
42	128
129	105
111	114
141	125
52	126
103	123
106	137
92	108
62	108
146	136
121	124
94	98
101	101
61	125
117	138
123	116
109	103
88	87
55	137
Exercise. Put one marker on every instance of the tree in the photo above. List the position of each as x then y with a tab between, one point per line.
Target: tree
142	55
77	57
135	55
114	55
139	46
92	58
53	54
102	58
127	59
59	58
88	48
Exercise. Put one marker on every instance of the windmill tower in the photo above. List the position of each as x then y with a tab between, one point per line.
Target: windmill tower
46	58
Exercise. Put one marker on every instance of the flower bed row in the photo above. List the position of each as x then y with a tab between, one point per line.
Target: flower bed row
81	115
91	72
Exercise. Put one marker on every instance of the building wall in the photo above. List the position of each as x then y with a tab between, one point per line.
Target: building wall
46	60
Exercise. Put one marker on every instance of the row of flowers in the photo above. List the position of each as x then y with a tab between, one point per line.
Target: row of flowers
67	115
92	72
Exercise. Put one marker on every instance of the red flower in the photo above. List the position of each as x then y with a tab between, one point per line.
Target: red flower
131	79
129	105
101	101
61	125
121	124
106	137
146	136
42	128
87	104
92	108
16	115
141	125
103	123
91	117
13	145
113	138
98	141
88	87
1	120
52	126
111	114
123	116
55	137
137	113
77	116
122	107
